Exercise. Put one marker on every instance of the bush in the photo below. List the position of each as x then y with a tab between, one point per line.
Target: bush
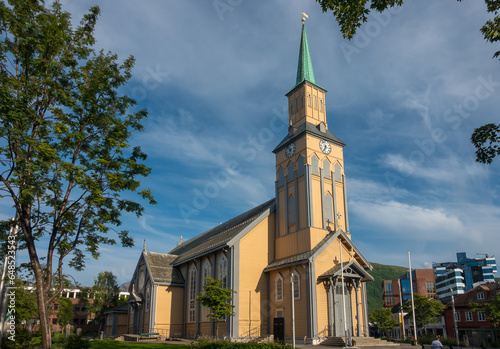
220	344
76	342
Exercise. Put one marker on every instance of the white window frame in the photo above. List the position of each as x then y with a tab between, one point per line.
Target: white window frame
296	285
468	316
222	270
481	316
193	275
480	295
207	272
280	310
278	294
457	317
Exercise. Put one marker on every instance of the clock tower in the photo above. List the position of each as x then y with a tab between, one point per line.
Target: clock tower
310	181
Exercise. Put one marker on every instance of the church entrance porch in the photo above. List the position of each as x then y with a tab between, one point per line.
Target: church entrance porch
342	283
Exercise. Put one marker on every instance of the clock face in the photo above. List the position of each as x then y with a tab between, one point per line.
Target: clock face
290	150
325	147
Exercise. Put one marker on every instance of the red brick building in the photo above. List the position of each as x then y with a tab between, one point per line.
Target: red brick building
423	284
473	326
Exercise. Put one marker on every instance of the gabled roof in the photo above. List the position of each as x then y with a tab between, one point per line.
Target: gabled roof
225	234
305	257
490	289
311	129
351	269
161	269
119	309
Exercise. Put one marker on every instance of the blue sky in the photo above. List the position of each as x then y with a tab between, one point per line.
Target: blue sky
404	95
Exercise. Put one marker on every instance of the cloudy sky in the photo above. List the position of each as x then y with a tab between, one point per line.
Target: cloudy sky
404	95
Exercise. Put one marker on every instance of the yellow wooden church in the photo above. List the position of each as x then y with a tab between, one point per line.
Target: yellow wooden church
302	233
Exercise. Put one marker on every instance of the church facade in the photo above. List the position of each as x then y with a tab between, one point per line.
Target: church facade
301	235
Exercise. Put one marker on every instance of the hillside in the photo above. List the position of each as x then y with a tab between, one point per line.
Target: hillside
374	289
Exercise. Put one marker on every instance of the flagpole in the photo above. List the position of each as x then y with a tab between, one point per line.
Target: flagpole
412	301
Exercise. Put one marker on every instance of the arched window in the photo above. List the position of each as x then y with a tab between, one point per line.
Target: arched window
296	285
302	101
315	102
207	272
278	286
291	108
222	275
309	100
296	104
321	104
192	293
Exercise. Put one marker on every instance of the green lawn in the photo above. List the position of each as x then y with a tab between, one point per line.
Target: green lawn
108	344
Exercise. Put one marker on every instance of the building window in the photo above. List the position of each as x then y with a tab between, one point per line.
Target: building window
54	321
481	316
480	295
468	316
389	300
192	294
278	286
223	271
296	285
148	299
389	289
309	100
56	306
302	101
280	312
321	104
296	104
457	317
291	108
431	288
207	271
315	102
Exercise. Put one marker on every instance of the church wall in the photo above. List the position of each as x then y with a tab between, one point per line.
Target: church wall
284	306
169	308
256	252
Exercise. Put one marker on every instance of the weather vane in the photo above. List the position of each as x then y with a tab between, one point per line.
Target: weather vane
304	16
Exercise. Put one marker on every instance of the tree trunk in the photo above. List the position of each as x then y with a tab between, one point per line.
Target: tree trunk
41	299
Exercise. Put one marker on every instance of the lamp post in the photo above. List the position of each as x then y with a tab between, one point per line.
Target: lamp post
293	309
412	301
454	318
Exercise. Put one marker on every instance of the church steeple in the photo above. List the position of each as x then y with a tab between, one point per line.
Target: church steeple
305	69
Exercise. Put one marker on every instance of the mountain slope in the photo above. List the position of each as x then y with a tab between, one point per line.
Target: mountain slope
374	289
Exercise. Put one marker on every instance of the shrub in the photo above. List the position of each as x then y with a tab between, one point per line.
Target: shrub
221	344
76	342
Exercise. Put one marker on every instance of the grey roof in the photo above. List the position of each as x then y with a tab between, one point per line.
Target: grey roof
161	269
351	269
222	234
119	309
309	129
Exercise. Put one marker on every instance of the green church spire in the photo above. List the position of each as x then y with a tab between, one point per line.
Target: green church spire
305	68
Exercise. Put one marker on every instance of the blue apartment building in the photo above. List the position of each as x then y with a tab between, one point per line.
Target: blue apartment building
463	275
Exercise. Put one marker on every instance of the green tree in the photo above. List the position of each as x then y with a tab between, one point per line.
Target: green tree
382	319
65	157
427	310
352	14
218	299
65	311
104	293
26	307
491	309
